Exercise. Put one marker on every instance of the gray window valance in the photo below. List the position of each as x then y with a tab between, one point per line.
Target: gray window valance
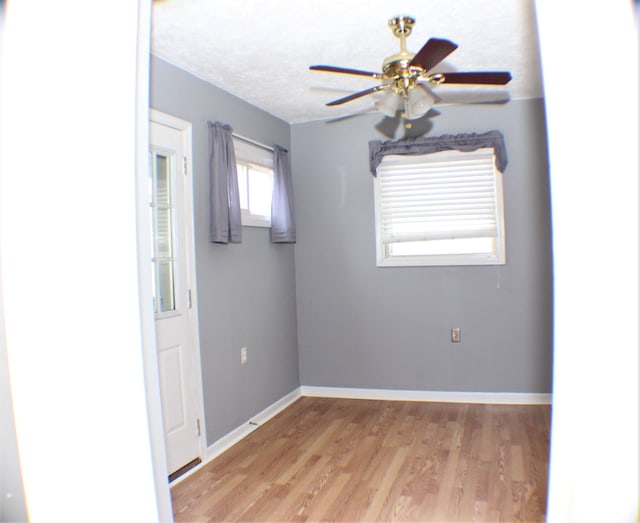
433	144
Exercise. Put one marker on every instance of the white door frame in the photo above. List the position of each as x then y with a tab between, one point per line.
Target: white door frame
187	235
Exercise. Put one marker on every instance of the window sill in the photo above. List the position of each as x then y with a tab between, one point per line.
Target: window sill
256	221
439	261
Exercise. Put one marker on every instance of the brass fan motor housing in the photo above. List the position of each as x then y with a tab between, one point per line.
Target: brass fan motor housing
397	74
396	71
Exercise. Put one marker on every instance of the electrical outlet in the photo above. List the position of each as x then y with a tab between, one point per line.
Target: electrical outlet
455	334
243	355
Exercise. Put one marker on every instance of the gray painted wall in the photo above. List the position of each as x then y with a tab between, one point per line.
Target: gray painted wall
364	326
246	292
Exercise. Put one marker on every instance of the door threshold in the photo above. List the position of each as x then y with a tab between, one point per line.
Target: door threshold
184	469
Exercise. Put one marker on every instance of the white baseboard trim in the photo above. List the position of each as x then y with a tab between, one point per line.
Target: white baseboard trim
505	398
230	439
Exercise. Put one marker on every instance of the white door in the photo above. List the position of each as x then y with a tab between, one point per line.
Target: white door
176	329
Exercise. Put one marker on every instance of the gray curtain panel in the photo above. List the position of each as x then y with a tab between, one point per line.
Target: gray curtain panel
283	227
461	142
226	224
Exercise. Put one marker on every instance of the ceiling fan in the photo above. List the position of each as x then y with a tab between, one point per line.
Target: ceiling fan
405	76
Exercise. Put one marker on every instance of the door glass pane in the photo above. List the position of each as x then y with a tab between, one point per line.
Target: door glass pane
162	220
162	227
162	181
164	297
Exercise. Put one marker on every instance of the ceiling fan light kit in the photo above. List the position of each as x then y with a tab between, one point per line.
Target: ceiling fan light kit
405	75
418	102
389	104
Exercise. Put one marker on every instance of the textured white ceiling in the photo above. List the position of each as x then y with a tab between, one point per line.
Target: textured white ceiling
260	51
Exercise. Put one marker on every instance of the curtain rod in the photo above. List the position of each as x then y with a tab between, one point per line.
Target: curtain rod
251	142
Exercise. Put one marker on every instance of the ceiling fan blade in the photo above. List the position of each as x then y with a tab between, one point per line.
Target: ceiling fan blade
356	95
463	95
482	77
344	70
433	52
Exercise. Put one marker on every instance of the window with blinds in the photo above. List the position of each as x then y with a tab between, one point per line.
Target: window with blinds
444	208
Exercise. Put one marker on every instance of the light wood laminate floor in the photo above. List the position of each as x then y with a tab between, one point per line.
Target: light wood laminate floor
362	460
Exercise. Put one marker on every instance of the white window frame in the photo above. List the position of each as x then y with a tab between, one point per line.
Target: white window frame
498	254
261	158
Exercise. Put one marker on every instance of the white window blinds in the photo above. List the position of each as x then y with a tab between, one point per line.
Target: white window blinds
448	195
